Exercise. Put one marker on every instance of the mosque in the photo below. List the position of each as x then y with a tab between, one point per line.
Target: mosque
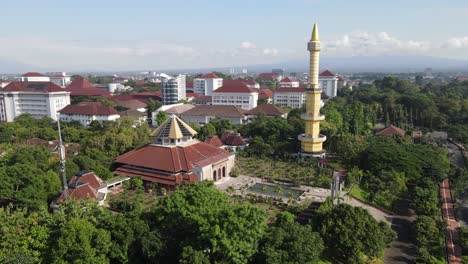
312	140
175	157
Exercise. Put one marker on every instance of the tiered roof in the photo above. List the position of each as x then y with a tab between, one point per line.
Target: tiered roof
327	73
174	128
82	186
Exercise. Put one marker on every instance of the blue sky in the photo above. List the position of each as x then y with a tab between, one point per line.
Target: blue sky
125	35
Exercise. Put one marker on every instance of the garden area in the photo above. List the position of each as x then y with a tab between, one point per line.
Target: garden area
296	172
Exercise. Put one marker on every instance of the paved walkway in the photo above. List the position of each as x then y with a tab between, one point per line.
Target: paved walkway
373	211
453	250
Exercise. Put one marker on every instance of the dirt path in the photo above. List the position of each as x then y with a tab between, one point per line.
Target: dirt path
453	250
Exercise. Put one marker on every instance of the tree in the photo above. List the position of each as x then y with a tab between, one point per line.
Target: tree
351	233
206	130
202	217
430	236
290	242
161	117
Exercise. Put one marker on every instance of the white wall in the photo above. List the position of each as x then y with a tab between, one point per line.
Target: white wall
292	100
206	86
85	120
242	100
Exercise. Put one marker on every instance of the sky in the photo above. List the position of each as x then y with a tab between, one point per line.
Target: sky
81	35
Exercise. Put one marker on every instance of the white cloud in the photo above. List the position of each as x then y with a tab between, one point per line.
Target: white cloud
248	45
456	43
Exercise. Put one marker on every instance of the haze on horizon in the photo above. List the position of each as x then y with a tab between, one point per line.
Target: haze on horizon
124	35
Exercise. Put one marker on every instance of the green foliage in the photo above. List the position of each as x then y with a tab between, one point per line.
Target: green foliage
202	218
290	242
430	236
161	117
350	233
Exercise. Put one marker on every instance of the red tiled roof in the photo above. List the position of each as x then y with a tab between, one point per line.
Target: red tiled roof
154	176
189	85
235	86
327	73
290	90
88	108
203	98
247	81
287	80
172	159
267	109
81	87
265	94
39	87
90	178
194	95
391	130
214	140
210	76
232	138
33	74
130	104
80	192
268	76
215	110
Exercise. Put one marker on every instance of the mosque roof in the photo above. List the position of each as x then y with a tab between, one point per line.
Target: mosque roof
174	128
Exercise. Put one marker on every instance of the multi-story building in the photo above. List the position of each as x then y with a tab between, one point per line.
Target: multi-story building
59	78
328	81
173	90
206	84
237	94
289	82
87	112
40	99
292	97
33	77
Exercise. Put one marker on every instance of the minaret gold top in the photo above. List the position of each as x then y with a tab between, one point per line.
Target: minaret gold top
312	140
315	34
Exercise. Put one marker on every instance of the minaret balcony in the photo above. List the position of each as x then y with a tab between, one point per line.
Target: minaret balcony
309	138
309	117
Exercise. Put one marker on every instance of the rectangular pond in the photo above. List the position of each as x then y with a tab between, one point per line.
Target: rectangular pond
275	190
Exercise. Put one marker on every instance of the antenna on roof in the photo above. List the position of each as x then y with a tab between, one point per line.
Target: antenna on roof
61	149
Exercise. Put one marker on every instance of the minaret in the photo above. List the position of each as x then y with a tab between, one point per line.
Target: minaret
312	140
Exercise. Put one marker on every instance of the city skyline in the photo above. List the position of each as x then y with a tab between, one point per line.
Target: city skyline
119	35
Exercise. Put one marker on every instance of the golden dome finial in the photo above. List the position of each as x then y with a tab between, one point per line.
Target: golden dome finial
315	34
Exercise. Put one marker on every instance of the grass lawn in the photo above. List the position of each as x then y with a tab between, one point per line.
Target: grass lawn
298	173
359	193
149	200
271	210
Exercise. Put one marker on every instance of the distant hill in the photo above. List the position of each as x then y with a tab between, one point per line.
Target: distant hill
10	66
372	64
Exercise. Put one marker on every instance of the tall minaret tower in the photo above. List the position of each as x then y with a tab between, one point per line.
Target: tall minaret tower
312	140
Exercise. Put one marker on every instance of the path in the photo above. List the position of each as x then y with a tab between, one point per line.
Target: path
403	248
448	214
373	211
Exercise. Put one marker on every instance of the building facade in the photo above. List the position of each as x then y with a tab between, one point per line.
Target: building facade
290	97
289	82
87	112
206	84
328	82
173	90
202	114
236	94
39	99
312	140
33	77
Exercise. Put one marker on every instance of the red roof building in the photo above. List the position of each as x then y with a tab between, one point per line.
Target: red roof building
390	131
81	87
214	140
265	94
233	140
327	73
87	112
175	157
269	110
83	186
268	76
33	74
236	93
210	76
34	87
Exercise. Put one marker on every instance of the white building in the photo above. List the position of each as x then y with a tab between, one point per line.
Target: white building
173	90
87	112
206	84
59	78
288	82
33	77
329	83
289	97
236	94
202	114
40	99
